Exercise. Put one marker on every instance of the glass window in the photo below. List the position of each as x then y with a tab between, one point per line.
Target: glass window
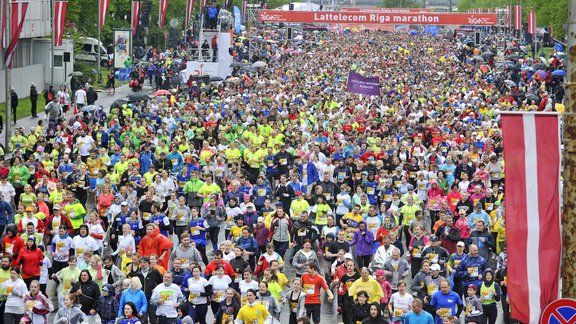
59	61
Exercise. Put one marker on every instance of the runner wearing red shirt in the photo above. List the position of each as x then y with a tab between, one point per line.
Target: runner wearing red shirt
311	284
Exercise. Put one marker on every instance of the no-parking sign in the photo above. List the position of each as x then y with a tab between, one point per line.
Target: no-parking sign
561	311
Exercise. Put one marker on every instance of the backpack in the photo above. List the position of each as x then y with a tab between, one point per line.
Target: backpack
212	12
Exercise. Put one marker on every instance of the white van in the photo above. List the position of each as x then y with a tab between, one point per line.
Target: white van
88	51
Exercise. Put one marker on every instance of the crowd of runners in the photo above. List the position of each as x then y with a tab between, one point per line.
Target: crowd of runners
276	191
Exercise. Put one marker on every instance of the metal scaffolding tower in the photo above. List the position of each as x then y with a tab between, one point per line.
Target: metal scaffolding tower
252	21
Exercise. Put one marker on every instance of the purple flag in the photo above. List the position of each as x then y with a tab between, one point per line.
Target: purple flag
359	84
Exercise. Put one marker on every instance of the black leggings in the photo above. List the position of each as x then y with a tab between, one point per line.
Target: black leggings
28	281
202	250
490	313
214	232
313	312
363	261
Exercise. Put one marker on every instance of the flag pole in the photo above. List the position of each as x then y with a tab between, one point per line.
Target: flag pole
52	46
568	270
7	75
99	54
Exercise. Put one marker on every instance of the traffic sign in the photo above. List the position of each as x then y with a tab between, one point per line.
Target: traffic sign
561	311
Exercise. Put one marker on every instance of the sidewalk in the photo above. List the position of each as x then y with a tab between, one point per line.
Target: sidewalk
104	100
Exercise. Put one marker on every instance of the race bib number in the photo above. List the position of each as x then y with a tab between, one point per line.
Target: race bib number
283	161
433	257
445	311
370	191
473	271
219	296
432	289
309	289
398	312
261	192
30	305
416	253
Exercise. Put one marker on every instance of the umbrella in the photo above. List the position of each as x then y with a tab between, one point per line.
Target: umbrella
259	64
539	66
478	58
216	79
183	85
236	65
90	108
513	57
559	73
532	97
487	55
76	73
119	103
541	74
137	96
510	83
484	68
161	92
561	54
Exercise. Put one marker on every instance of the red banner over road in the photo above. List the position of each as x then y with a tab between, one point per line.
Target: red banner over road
331	17
386	10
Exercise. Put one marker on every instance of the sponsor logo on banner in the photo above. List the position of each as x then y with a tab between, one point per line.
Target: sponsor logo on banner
387	10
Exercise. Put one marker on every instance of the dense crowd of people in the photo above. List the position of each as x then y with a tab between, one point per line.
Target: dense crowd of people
276	191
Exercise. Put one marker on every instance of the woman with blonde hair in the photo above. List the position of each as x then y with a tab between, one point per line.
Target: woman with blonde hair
135	295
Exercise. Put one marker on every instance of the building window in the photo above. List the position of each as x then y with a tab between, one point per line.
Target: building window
58	61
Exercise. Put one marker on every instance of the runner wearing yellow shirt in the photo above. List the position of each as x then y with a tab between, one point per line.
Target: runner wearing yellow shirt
351	222
298	206
252	312
208	189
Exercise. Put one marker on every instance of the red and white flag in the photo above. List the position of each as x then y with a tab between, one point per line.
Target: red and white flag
533	235
508	16
517	17
136	6
18	15
202	5
103	10
244	5
59	20
189	8
532	22
162	17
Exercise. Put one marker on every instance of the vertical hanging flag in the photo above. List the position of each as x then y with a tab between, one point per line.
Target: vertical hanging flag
508	16
162	17
59	20
18	10
136	6
189	8
532	22
103	10
244	5
533	235
518	17
202	5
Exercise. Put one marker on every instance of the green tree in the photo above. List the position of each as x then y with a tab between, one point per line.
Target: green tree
552	14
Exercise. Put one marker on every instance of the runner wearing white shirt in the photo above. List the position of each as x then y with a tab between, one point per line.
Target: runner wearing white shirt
84	144
168	297
80	98
83	242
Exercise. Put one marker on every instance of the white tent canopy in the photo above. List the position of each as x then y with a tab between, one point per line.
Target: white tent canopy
302	6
